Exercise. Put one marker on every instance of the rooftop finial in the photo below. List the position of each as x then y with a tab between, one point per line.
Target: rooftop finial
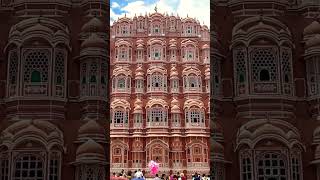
156	8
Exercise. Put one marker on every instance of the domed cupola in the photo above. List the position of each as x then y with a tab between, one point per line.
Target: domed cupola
312	38
139	74
93	70
91	130
172	44
207	72
90	153
140	44
138	106
93	25
173	72
175	106
94	41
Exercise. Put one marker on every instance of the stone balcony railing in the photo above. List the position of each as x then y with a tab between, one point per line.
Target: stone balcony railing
39	89
198	165
156	124
195	125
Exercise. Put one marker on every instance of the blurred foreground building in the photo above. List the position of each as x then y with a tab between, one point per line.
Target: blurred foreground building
53	90
266	90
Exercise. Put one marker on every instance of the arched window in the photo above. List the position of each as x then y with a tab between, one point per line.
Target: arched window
192	82
121	83
4	165
194	116
93	79
120	117
157	82
119	154
157	113
29	166
35	76
271	166
36	66
246	168
264	75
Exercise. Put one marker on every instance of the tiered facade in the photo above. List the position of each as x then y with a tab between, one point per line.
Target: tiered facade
53	89
265	118
160	85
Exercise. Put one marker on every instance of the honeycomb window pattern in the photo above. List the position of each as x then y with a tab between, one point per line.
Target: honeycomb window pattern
59	68
37	60
286	65
13	68
240	64
264	59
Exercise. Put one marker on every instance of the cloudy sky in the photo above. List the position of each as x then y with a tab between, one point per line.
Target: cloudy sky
199	9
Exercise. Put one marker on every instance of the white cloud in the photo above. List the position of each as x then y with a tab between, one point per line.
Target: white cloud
115	5
199	9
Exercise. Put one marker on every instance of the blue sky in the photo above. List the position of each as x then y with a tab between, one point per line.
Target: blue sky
199	9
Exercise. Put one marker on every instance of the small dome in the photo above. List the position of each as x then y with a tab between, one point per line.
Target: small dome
313	41
94	25
139	71
207	73
137	109
138	101
175	109
140	41
91	127
174	101
140	46
94	41
313	28
172	41
206	46
90	147
173	71
173	45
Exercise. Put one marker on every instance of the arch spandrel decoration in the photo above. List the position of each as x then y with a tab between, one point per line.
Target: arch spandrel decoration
120	103
32	141
193	102
121	71
160	102
46	133
262	52
51	30
269	140
254	131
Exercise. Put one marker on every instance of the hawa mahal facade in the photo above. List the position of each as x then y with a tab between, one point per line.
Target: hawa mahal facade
159	94
265	116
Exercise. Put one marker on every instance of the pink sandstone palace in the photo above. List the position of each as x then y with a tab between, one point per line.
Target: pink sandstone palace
160	86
